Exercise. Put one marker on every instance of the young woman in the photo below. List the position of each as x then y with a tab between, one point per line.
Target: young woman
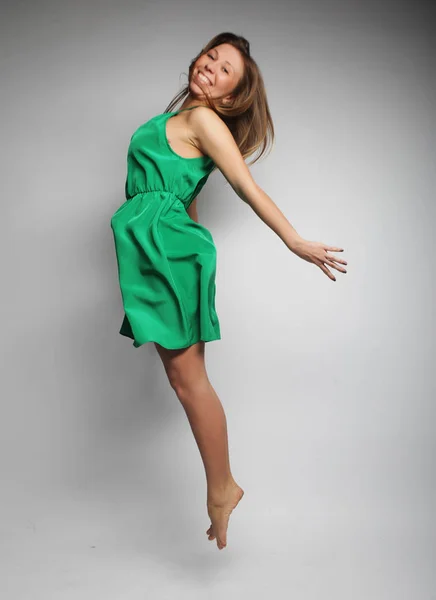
167	259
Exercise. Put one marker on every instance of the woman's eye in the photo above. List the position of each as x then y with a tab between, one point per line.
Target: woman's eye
211	56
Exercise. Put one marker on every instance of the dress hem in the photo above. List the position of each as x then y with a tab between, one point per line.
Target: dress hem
139	344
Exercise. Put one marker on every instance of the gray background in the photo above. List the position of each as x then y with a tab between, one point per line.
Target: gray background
328	387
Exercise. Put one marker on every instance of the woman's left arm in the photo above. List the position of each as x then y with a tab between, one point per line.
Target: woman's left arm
214	139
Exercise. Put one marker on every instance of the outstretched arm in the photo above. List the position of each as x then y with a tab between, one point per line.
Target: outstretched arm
212	136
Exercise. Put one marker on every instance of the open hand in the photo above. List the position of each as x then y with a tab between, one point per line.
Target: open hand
318	254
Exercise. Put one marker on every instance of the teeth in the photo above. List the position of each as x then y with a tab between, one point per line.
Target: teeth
203	78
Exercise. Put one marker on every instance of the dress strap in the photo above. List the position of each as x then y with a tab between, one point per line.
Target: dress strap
188	108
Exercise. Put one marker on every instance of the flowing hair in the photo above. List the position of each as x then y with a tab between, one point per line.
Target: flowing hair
247	116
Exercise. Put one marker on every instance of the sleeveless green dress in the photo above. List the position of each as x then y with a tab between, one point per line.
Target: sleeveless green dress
166	261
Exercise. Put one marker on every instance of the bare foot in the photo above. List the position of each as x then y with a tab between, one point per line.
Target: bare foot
219	510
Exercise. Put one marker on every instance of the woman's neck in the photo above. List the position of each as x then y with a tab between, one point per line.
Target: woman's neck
190	102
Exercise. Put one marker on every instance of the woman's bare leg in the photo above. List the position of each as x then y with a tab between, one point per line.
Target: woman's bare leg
187	375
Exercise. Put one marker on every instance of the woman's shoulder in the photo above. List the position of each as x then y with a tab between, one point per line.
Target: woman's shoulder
205	118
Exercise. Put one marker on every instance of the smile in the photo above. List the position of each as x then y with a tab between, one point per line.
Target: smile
203	78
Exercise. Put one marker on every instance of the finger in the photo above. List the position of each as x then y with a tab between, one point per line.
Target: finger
333	249
331	264
336	259
327	272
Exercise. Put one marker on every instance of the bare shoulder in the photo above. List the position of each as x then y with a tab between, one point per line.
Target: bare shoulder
204	121
212	137
204	112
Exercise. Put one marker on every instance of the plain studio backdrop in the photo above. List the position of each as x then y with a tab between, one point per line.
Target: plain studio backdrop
328	387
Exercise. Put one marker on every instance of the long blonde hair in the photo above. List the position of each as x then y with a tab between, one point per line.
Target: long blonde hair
248	116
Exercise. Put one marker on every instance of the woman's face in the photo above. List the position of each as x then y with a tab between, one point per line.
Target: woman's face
217	72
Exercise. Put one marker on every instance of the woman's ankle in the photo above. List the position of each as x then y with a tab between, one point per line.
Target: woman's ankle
218	492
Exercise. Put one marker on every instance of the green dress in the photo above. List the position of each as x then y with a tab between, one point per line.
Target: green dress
166	261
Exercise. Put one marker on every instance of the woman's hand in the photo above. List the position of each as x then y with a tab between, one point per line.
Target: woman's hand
318	254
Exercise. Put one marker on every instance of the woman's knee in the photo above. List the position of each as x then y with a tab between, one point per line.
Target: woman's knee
185	368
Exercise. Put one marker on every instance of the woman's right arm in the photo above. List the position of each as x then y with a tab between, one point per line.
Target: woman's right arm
192	210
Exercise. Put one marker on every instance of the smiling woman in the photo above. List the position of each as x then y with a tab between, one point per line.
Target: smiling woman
169	161
225	77
167	259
